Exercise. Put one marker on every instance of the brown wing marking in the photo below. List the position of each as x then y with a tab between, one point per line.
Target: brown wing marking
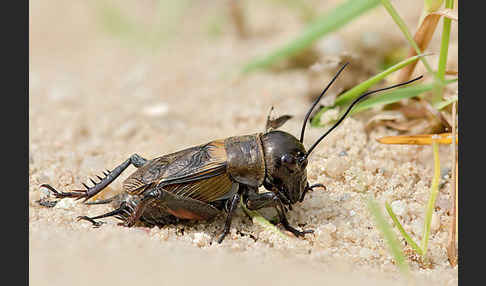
206	190
192	164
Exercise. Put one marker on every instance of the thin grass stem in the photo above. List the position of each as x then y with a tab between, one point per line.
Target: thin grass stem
389	235
405	235
434	190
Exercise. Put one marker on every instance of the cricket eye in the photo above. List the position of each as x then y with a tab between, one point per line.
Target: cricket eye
301	160
288	159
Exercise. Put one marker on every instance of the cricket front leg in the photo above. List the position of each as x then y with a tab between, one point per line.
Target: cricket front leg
97	187
255	201
310	188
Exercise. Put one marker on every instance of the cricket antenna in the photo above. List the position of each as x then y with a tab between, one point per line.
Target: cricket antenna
351	106
317	101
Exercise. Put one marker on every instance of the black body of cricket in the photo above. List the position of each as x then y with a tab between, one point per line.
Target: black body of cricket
200	182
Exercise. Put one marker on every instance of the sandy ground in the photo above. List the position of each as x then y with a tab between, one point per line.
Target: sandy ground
96	98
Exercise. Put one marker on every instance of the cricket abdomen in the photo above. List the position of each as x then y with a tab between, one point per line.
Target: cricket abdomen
160	210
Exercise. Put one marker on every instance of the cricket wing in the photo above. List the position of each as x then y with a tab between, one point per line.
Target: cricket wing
200	163
205	190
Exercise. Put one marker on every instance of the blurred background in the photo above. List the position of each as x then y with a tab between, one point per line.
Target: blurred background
111	78
161	61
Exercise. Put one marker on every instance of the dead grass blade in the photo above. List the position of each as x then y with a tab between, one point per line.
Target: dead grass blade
238	17
451	72
451	248
422	139
422	37
448	13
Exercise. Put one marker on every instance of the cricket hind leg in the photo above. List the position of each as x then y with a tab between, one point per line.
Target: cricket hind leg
123	212
102	202
161	203
50	204
97	187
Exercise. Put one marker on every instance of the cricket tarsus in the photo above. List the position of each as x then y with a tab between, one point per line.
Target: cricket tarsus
296	232
91	220
285	222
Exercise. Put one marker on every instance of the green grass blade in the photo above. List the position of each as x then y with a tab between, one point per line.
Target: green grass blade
392	97
443	103
434	190
444	50
257	218
356	91
432	5
389	235
332	21
316	120
114	22
403	27
402	230
399	94
121	25
444	46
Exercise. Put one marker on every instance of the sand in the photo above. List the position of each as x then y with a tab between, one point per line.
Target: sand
96	97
